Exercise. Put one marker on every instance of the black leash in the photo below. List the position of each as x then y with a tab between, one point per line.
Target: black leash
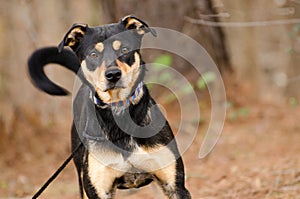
57	172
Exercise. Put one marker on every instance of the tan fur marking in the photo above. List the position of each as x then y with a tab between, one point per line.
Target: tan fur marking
72	35
72	42
123	66
102	176
130	75
104	96
97	79
104	166
116	44
78	31
83	190
84	195
161	162
151	159
103	169
99	47
140	31
167	174
133	21
75	32
135	68
137	24
115	95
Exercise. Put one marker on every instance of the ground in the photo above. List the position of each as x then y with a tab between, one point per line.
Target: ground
257	156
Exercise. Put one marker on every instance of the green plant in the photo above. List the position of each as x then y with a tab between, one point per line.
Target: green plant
205	79
293	102
161	63
235	113
294	36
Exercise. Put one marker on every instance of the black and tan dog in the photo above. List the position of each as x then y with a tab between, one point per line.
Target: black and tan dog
127	141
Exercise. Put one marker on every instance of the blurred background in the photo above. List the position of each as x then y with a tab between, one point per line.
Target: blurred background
256	46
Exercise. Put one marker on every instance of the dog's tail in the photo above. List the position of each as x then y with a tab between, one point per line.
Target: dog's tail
40	58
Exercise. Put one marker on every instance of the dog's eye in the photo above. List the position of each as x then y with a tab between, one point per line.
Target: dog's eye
93	55
124	50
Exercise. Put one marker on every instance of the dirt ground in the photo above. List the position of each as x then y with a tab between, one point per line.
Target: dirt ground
257	156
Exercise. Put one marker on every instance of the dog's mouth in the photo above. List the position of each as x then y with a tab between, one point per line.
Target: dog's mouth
111	92
112	86
108	92
117	96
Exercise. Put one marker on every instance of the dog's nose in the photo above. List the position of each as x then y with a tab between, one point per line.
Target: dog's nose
113	74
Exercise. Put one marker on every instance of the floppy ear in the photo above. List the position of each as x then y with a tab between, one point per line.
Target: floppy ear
132	22
73	37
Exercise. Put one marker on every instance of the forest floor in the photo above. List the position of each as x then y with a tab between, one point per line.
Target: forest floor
257	156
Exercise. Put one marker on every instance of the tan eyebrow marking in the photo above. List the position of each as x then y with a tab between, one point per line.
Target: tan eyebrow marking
99	47
116	45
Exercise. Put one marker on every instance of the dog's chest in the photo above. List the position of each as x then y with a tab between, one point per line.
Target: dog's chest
141	159
106	167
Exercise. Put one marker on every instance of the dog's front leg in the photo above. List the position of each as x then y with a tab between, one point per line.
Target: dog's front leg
171	179
99	183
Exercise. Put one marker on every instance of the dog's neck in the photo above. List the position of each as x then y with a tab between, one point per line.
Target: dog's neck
133	99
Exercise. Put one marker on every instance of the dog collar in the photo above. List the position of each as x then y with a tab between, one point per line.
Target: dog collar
133	99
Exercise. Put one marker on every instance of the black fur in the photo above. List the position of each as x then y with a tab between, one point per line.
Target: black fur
40	58
102	128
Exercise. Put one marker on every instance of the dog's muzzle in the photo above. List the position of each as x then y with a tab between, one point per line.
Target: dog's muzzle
113	74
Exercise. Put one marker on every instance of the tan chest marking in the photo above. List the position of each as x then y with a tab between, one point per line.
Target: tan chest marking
144	159
105	166
102	176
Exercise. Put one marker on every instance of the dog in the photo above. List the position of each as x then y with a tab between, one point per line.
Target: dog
127	142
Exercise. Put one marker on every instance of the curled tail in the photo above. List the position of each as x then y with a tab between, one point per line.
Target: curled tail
40	58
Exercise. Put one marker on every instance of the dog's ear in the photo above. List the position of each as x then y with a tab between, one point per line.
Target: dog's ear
73	37
141	27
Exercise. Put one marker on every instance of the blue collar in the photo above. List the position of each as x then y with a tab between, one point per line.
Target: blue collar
132	99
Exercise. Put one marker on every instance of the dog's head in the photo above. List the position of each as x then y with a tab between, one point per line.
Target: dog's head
109	55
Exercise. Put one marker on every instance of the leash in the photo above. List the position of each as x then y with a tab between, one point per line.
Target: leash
57	172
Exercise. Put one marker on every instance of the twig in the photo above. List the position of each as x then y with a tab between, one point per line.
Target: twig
247	24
